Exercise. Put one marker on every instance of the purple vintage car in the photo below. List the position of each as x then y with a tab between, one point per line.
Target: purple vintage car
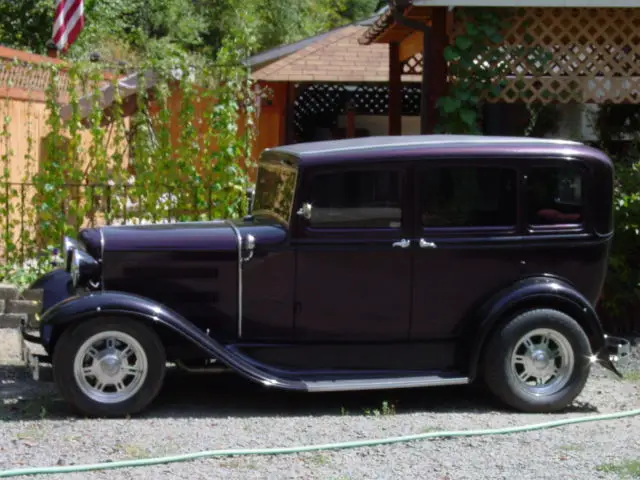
375	263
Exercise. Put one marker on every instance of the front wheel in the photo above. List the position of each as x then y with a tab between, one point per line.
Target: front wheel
538	362
109	367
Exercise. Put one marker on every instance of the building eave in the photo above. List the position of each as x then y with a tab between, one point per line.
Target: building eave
386	20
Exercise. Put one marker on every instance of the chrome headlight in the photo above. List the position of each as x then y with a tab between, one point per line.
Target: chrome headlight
69	245
83	268
74	266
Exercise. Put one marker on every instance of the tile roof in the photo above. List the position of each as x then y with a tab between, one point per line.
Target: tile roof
378	28
336	57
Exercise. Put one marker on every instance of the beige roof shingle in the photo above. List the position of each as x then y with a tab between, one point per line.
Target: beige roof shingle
337	57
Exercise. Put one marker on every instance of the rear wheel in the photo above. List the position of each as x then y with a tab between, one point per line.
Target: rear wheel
109	367
538	362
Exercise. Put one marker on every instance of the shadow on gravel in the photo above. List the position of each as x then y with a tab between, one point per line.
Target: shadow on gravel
227	395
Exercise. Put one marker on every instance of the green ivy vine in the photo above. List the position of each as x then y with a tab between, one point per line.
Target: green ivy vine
477	67
183	154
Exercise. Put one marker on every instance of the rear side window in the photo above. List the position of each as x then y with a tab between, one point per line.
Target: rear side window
554	196
356	199
462	196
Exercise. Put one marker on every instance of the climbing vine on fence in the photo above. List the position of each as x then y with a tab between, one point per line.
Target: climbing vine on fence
478	64
184	153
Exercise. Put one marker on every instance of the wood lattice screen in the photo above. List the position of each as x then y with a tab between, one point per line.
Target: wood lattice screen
595	56
320	104
28	77
413	65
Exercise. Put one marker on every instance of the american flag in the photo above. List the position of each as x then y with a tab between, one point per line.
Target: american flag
68	22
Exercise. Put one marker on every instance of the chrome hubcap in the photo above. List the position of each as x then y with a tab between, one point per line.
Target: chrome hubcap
110	367
543	361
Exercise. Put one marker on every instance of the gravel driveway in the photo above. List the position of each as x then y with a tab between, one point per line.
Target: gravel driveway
195	413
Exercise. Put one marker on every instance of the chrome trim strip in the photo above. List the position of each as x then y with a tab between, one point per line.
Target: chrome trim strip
382	383
102	259
333	146
239	237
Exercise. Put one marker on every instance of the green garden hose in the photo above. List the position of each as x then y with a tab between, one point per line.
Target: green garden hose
309	448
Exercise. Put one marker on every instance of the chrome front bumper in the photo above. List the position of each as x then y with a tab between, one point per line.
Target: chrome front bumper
29	343
619	349
615	354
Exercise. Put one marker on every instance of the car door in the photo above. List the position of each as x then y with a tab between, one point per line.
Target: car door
467	245
353	261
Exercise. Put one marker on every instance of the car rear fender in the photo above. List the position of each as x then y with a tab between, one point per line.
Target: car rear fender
98	304
526	294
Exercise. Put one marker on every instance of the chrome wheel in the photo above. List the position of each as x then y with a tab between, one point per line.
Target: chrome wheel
110	367
542	361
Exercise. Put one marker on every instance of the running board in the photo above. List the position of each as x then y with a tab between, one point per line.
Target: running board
382	383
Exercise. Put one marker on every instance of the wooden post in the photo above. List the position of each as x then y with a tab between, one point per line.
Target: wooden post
426	111
289	111
437	67
395	90
351	121
52	49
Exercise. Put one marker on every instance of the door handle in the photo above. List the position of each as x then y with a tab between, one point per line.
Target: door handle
404	243
425	244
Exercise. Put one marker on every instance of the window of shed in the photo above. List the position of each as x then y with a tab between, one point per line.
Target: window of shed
356	199
461	196
554	196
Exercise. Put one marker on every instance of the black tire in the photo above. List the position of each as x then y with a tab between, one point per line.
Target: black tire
502	381
72	340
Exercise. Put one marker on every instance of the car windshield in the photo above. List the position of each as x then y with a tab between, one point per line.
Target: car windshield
275	188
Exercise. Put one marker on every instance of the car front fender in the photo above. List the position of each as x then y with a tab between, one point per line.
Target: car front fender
105	303
55	285
530	293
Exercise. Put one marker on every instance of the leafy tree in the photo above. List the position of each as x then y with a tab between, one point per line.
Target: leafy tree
26	24
128	30
354	10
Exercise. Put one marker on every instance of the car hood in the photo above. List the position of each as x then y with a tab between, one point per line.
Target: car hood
215	235
219	235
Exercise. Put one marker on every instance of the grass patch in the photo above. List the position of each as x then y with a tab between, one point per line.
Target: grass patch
236	464
572	448
230	464
633	376
132	452
429	430
319	459
628	469
31	433
386	408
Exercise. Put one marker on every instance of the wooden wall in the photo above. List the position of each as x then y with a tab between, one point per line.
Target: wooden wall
270	125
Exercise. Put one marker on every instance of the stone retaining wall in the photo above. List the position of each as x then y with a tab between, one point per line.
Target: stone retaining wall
16	305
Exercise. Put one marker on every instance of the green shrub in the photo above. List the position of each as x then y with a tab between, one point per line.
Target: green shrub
23	274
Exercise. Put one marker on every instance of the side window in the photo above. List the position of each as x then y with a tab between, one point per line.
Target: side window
554	196
356	199
462	196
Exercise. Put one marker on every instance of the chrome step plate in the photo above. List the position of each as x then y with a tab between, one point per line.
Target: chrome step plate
382	383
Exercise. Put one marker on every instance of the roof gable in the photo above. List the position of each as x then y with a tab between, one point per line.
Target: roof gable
333	57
